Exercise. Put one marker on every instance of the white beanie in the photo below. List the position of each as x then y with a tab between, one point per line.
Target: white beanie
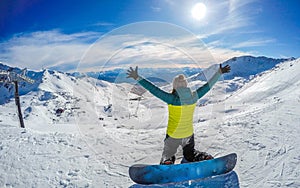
179	81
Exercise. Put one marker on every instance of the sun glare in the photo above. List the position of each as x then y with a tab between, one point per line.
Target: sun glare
199	11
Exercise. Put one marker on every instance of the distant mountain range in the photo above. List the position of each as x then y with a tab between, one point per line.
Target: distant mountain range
153	74
245	66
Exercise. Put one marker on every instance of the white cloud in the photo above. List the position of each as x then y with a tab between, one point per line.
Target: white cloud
170	2
223	54
104	24
156	9
120	48
45	49
237	5
254	43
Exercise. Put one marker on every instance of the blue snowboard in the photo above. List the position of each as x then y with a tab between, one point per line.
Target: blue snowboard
229	179
159	174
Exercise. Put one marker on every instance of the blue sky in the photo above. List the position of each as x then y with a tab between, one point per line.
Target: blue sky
59	34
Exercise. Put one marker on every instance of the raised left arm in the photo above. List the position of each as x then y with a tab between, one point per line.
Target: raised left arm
153	89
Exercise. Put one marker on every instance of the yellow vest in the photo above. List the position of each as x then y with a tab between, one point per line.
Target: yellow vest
180	124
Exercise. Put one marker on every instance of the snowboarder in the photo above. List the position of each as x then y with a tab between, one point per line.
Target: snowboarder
181	105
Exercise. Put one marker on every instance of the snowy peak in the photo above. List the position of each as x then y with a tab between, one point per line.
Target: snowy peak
55	97
56	81
45	80
247	66
7	90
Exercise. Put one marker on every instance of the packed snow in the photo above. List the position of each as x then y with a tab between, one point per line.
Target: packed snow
83	132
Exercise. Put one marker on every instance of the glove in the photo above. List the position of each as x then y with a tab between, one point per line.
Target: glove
133	73
225	69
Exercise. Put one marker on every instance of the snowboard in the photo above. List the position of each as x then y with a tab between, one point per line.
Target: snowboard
159	174
229	179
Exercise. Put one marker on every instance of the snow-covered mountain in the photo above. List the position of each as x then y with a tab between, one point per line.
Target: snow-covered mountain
247	66
55	97
244	67
7	90
83	132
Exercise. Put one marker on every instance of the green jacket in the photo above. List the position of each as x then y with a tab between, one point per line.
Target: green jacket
181	105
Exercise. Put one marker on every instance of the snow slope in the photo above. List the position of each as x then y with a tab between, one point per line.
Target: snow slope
262	125
86	146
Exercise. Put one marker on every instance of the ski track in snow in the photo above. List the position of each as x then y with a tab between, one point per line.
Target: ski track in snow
260	122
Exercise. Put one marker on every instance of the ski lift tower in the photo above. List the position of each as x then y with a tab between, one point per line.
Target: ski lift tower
11	77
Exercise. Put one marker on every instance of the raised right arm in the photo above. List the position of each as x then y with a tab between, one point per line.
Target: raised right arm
206	87
156	91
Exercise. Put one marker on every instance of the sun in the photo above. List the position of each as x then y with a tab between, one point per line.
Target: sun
199	11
